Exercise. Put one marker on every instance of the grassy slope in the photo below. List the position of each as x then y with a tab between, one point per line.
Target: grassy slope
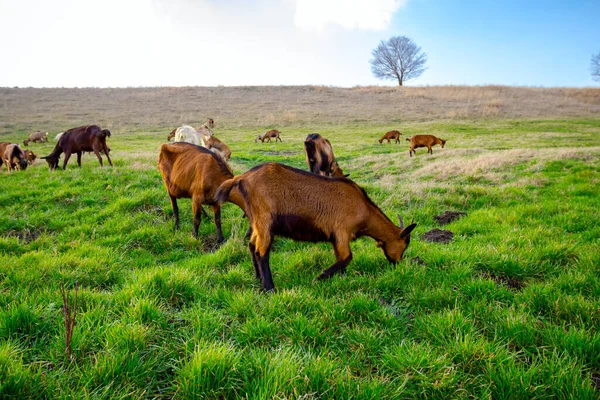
509	309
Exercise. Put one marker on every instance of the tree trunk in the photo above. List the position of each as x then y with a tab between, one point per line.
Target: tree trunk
399	81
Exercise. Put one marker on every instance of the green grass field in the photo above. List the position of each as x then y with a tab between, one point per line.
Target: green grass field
509	309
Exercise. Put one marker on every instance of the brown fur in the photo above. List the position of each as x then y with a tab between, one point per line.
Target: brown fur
273	133
39	136
30	156
319	156
285	201
391	135
191	171
424	141
12	155
79	140
212	142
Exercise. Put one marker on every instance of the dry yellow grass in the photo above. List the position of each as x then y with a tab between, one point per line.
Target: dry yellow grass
281	106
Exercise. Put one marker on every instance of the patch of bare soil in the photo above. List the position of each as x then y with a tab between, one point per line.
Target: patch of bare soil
209	243
417	260
25	235
448	216
438	236
511	283
596	380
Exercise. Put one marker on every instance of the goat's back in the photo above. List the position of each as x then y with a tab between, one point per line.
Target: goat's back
286	191
187	169
187	134
423	139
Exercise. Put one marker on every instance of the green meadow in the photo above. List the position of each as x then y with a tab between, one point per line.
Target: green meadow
509	309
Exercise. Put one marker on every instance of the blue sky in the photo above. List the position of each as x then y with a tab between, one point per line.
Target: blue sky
118	43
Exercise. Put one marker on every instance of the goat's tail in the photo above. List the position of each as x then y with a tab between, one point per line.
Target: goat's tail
408	139
225	189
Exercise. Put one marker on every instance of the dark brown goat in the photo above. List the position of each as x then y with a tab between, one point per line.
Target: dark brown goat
38	136
319	156
13	156
191	171
273	133
78	140
424	141
285	201
391	135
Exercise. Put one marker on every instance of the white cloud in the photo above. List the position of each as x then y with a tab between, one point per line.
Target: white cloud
376	15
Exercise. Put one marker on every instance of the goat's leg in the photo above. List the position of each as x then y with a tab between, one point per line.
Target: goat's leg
67	156
175	210
263	248
411	151
204	213
429	150
196	210
252	249
343	255
97	153
279	139
79	159
104	147
217	213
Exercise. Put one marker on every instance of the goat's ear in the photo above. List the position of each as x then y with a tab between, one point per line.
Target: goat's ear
406	232
347	175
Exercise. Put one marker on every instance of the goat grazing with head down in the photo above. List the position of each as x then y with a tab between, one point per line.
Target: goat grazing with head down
273	133
285	201
424	141
30	156
13	156
319	156
217	146
191	171
38	136
391	135
79	140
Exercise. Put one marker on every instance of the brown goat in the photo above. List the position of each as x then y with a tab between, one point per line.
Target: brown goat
191	171
13	156
285	201
171	135
214	144
319	156
391	135
424	141
38	136
30	156
78	140
273	133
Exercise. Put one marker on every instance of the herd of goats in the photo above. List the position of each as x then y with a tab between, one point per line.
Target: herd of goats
319	205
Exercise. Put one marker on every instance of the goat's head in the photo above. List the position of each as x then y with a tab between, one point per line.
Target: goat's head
30	156
442	143
52	161
394	249
22	165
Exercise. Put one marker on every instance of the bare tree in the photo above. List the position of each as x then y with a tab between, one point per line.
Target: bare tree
399	58
595	67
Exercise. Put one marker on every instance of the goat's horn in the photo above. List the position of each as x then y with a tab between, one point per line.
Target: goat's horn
401	222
